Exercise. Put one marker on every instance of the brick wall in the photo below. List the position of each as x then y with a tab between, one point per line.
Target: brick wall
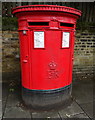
10	51
83	54
84	63
84	48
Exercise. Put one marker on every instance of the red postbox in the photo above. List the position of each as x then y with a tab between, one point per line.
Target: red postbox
46	48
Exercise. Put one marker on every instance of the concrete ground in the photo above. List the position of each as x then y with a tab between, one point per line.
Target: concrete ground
81	107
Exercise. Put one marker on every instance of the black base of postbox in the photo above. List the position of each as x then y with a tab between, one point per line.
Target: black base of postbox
46	100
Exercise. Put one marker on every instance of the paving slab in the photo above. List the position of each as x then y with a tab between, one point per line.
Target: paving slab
46	115
0	109
82	91
94	109
5	92
14	96
81	115
16	119
72	110
88	108
13	100
13	108
16	112
0	90
0	101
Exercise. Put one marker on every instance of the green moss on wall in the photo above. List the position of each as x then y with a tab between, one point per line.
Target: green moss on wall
9	23
89	26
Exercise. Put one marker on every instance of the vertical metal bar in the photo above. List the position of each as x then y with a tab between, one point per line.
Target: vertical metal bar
9	8
80	8
19	3
39	2
93	15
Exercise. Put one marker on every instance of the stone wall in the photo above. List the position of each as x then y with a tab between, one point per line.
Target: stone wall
84	63
83	54
84	48
10	51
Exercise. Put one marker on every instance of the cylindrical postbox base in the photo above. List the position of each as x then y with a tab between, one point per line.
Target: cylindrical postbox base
46	100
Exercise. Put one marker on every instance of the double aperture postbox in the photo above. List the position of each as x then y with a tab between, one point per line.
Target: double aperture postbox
47	48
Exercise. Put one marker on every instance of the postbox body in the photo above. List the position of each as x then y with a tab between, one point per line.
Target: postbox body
46	46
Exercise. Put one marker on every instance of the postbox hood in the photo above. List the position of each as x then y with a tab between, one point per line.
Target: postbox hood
52	8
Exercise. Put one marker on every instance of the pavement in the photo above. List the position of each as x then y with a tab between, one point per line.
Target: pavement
81	107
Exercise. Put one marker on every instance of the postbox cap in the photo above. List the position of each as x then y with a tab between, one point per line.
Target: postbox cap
53	8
